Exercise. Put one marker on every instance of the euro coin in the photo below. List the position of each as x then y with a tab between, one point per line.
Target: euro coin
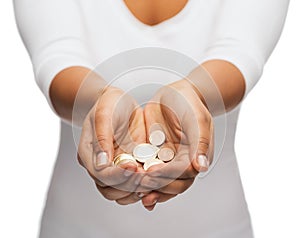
157	138
123	159
166	154
151	162
144	152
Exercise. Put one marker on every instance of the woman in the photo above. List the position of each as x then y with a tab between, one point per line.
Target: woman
69	42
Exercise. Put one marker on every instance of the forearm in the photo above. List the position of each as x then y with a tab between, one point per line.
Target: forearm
239	37
75	84
220	85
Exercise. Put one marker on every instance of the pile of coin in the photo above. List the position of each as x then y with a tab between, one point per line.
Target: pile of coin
148	154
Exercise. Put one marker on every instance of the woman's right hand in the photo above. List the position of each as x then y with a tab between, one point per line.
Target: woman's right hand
114	125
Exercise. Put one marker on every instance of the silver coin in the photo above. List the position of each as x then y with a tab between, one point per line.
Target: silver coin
166	154
151	162
144	152
157	137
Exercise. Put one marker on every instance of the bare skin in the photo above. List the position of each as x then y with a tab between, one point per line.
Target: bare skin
153	12
96	105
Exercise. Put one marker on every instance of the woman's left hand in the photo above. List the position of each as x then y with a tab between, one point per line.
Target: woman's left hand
178	109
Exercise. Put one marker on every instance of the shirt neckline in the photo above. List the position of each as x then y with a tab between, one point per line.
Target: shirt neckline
128	16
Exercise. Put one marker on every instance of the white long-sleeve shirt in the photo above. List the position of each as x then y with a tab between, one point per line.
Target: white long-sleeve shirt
63	33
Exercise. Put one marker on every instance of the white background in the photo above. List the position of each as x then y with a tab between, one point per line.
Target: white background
267	142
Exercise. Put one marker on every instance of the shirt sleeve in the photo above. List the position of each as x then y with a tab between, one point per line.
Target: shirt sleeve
53	33
246	33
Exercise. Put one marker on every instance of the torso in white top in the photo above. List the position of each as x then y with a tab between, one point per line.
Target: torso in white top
214	206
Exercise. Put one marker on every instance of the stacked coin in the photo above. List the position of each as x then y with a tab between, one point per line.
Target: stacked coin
123	159
149	154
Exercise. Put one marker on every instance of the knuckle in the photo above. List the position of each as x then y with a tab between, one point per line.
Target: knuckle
108	196
203	141
80	160
181	189
105	193
102	142
96	180
191	172
185	185
122	202
203	147
128	187
101	138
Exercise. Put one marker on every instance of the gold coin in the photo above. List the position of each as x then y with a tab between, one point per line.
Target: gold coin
123	159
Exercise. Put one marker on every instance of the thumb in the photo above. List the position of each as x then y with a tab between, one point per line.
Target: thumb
103	137
201	141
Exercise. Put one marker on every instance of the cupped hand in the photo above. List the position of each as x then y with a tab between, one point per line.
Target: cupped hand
178	109
113	126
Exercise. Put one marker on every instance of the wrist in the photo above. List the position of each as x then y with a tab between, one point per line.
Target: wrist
207	90
74	91
197	91
186	85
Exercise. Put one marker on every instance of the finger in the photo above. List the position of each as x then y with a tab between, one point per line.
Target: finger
131	184
110	175
103	130
203	160
155	183
79	160
177	187
135	131
150	208
104	173
153	118
122	190
179	168
85	148
111	193
98	182
200	142
137	126
150	200
130	199
113	176
165	185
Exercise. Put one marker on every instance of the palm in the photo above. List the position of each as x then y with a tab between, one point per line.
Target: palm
114	125
183	118
126	120
176	138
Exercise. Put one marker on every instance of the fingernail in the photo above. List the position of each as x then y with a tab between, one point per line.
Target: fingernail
154	202
101	159
140	195
203	161
152	206
149	208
